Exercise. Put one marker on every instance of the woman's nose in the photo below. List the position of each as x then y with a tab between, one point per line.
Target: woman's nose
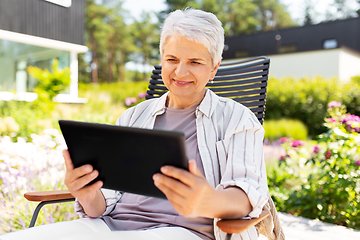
181	70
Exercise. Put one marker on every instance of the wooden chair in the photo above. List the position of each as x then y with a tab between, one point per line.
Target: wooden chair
244	81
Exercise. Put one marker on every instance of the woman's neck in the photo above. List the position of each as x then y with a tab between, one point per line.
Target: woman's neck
183	103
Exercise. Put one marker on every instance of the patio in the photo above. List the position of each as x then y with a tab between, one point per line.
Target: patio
299	228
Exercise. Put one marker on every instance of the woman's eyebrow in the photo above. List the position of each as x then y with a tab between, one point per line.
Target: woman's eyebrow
197	59
170	55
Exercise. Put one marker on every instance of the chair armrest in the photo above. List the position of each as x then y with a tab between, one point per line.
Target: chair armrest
48	195
240	225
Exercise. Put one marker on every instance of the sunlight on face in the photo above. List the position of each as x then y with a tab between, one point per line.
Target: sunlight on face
186	69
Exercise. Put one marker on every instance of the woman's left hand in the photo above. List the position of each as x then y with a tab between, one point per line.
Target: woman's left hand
188	191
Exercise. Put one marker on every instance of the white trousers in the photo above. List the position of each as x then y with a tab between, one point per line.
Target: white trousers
96	229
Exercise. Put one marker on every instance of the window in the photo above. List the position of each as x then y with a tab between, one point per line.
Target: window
16	57
330	43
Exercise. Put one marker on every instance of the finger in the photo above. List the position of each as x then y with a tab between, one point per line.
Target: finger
79	172
68	163
180	174
91	188
171	184
194	169
169	192
83	181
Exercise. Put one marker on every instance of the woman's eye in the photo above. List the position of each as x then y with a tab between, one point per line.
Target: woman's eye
194	62
171	60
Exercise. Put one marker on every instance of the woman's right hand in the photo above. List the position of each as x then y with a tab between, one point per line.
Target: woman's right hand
76	180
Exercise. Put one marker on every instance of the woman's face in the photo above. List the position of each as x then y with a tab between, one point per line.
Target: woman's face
186	69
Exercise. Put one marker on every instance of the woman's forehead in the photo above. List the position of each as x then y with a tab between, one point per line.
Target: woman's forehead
178	45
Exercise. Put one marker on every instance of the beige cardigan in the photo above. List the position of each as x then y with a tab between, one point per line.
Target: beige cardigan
270	226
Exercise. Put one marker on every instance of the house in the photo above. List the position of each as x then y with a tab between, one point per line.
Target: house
329	49
32	33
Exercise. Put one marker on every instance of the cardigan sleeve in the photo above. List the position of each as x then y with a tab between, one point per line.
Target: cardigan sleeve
245	165
111	198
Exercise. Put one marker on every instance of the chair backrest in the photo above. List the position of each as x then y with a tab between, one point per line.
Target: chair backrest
244	81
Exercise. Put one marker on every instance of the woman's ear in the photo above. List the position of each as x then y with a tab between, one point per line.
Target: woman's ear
214	71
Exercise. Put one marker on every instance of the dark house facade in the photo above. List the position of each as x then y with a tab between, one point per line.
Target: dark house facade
32	33
328	35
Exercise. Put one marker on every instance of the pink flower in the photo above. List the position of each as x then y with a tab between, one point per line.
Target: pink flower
142	95
130	100
351	118
282	158
328	154
350	128
316	149
334	104
357	163
298	143
283	139
331	119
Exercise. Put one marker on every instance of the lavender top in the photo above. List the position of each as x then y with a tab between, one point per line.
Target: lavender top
135	212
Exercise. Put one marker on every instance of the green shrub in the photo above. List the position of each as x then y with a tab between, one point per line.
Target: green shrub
49	84
31	117
276	129
306	100
322	181
112	92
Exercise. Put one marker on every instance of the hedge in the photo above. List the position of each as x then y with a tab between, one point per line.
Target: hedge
306	99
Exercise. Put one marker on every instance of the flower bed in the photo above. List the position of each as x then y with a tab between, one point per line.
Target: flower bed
322	180
31	166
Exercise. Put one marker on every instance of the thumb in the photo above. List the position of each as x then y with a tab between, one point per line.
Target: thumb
194	169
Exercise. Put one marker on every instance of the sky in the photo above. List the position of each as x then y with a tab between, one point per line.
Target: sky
137	7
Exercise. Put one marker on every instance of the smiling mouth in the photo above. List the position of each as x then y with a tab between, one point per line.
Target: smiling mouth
181	83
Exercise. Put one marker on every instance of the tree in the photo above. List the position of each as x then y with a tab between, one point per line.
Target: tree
241	16
146	38
343	9
96	32
308	20
272	15
108	39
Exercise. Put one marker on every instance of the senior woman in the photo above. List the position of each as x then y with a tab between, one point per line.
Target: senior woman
226	177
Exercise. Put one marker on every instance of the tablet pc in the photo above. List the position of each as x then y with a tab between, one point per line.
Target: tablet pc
125	157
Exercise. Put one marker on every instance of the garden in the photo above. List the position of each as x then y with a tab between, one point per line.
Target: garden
312	147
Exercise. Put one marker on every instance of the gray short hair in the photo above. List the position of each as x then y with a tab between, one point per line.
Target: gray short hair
196	25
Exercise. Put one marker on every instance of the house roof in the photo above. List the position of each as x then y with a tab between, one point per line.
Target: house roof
332	34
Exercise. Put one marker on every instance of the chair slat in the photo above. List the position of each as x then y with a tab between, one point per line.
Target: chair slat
151	92
153	87
258	109
236	70
240	88
156	81
156	71
237	82
244	93
154	76
247	99
253	104
241	76
250	61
